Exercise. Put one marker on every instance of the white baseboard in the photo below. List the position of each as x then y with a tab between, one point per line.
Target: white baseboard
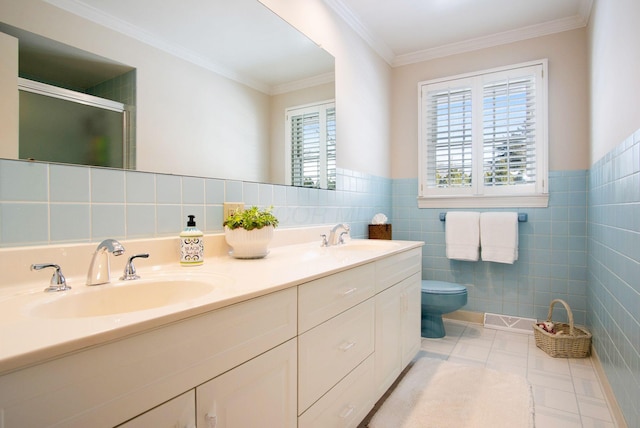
615	409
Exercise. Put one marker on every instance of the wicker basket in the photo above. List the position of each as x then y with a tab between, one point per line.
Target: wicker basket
574	342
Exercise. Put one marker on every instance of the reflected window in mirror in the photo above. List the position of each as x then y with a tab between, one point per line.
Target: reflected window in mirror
311	145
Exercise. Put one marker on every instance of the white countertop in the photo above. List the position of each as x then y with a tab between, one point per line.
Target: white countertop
27	337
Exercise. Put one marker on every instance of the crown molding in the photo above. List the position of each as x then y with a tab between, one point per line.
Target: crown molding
530	32
585	11
303	83
90	13
578	21
356	25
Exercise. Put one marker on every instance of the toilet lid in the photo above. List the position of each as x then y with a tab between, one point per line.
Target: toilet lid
442	287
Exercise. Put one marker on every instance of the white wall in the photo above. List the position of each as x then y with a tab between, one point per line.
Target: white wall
179	105
614	39
363	90
568	96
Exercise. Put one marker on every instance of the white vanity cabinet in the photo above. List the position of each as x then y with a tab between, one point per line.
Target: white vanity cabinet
316	354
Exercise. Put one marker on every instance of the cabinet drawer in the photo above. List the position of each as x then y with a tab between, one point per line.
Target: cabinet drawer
347	404
330	351
324	298
395	268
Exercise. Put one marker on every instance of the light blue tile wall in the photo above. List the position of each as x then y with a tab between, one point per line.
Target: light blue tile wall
552	252
613	291
49	204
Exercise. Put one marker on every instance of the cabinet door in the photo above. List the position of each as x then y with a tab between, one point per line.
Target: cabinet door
397	330
411	310
388	350
260	393
177	413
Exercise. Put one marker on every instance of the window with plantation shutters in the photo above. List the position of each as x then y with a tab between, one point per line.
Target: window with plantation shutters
311	143
483	139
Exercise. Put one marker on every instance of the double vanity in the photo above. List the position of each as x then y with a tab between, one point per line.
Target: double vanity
309	336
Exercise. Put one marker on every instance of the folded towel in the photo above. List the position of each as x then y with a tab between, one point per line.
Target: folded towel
462	235
499	236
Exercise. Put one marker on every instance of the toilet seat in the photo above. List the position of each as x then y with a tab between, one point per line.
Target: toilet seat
442	287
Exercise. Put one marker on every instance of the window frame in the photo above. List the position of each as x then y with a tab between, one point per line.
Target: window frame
478	195
321	108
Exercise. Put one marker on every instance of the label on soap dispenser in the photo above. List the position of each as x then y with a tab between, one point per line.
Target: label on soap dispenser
191	250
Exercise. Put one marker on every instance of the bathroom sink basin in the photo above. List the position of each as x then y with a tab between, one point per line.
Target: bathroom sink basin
122	297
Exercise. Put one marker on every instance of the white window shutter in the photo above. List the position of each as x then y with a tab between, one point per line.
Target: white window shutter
311	146
483	139
509	131
449	137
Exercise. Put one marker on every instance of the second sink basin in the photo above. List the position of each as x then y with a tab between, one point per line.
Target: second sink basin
123	297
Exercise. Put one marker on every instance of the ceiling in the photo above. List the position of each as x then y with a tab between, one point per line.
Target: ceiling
401	31
239	39
408	31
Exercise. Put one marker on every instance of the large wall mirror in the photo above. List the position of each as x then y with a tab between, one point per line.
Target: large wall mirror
204	85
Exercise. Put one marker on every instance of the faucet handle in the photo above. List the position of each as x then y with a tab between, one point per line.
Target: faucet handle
130	269
58	281
324	243
341	238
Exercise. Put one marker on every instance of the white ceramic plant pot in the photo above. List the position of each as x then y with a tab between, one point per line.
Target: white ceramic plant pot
249	244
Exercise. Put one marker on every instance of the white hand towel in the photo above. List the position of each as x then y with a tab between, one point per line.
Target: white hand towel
462	235
499	237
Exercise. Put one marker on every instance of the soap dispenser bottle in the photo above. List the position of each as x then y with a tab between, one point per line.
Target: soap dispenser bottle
191	244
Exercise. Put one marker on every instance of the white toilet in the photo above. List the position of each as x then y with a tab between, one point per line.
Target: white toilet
438	298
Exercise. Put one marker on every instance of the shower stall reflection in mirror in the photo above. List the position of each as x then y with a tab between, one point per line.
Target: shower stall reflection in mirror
65	126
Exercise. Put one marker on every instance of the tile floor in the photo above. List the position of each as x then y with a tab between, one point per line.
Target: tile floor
566	392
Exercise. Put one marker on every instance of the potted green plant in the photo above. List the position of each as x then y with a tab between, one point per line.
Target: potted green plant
249	232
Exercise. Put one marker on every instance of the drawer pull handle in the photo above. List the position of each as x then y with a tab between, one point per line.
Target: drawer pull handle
346	346
347	412
350	291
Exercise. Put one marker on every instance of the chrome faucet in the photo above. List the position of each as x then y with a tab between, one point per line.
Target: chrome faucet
334	237
99	269
58	281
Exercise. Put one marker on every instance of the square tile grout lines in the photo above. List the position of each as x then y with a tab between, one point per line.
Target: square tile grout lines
567	392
